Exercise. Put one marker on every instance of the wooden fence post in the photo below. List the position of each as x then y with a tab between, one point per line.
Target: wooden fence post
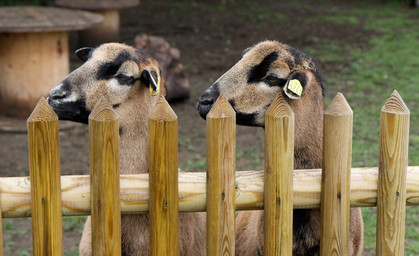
221	167
44	165
391	198
163	165
279	168
104	180
336	167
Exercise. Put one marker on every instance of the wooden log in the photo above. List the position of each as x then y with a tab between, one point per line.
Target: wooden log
15	197
107	32
336	165
279	167
221	166
44	165
163	165
393	158
31	64
104	180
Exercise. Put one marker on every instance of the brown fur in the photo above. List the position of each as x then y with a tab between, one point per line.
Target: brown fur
134	104
252	98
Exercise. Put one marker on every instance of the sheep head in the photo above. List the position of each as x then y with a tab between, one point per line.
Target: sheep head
116	71
264	71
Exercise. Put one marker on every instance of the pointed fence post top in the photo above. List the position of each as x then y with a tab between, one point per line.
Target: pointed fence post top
339	107
162	111
221	109
395	104
102	111
42	112
279	108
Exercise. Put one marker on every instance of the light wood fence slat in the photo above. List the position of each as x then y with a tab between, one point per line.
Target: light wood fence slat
279	167
163	164
1	233
15	198
44	165
104	180
393	162
336	165
221	153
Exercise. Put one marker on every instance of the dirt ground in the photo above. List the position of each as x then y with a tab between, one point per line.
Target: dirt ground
211	37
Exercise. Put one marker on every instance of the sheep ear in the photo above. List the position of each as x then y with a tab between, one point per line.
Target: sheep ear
84	53
296	84
152	79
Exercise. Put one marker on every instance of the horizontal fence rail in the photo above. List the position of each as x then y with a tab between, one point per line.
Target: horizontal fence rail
221	190
75	191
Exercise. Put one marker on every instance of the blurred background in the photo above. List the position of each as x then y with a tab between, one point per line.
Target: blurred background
364	49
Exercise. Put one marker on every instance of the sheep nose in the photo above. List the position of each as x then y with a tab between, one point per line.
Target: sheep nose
57	93
207	98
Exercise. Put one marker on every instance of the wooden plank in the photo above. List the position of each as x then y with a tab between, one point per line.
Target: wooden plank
221	166
94	5
44	165
163	163
15	198
279	167
335	196
18	19
391	204
104	180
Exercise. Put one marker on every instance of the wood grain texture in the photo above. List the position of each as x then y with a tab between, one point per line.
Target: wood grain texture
393	162
108	31
30	65
221	166
163	164
44	165
94	5
336	165
279	167
104	180
15	196
18	19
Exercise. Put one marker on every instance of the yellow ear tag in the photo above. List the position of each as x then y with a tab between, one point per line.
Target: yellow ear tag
295	86
155	91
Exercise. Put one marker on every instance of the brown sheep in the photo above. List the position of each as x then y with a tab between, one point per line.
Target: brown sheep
251	85
123	75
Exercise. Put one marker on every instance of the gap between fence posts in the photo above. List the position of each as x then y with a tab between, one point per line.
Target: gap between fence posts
278	184
163	165
44	165
221	167
393	162
336	174
104	180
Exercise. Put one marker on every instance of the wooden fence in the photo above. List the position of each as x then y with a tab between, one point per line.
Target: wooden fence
47	196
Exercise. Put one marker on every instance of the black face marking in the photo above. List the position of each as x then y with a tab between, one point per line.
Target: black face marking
259	71
126	80
115	106
141	53
244	118
107	70
299	57
273	80
73	110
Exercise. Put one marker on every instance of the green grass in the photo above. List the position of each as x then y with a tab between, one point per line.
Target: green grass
367	76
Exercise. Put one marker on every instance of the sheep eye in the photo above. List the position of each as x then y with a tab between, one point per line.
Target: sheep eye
272	80
127	80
